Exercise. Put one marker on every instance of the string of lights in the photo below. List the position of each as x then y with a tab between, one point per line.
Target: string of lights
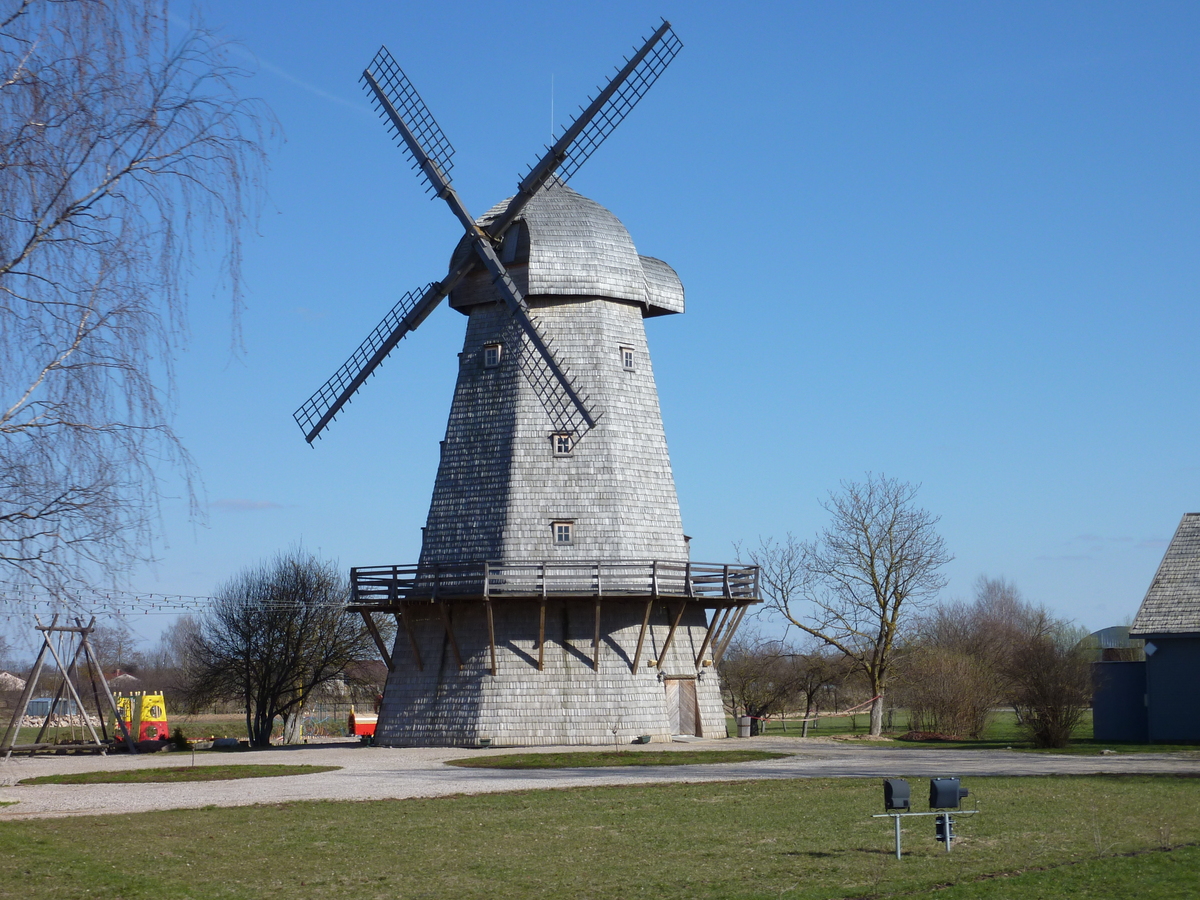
22	601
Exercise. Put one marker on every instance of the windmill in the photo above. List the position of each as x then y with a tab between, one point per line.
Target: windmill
554	600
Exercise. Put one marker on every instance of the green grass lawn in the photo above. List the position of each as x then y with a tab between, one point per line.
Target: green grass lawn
178	774
597	758
1002	733
1002	729
798	839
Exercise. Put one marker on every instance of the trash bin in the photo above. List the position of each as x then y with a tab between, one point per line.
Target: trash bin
744	726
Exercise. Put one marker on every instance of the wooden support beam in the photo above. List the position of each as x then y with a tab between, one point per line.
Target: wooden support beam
66	679
450	633
70	629
71	687
729	633
112	701
487	604
662	654
708	636
369	621
596	634
719	631
18	713
14	727
542	636
94	672
402	620
637	656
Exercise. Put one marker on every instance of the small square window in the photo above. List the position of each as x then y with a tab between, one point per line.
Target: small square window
563	445
627	359
563	532
491	356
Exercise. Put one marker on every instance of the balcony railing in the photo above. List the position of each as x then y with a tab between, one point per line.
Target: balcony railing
385	585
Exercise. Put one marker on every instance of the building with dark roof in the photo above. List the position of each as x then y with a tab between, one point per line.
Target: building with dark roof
1169	622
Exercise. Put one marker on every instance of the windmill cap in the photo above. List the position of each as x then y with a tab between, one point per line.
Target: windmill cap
564	245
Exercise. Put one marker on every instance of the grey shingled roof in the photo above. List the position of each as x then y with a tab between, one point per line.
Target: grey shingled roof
1172	604
577	248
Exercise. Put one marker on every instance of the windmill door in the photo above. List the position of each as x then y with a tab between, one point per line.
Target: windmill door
683	712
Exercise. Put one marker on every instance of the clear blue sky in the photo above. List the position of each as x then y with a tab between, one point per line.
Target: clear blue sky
954	243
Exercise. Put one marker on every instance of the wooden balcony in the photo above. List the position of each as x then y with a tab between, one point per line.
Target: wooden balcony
713	584
728	590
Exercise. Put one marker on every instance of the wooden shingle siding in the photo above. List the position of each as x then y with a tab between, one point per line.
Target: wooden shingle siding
664	290
567	702
1172	604
577	248
500	485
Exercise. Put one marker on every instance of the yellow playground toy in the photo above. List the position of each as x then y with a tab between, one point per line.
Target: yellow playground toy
145	715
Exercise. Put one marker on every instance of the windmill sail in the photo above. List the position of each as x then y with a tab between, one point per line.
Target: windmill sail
613	103
617	99
320	409
398	101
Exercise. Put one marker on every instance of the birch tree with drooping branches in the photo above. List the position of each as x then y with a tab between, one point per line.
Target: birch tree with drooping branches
122	157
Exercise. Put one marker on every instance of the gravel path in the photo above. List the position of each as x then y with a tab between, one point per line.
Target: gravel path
375	773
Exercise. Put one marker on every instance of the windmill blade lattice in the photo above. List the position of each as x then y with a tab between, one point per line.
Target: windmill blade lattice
629	90
568	414
322	406
404	97
595	122
546	368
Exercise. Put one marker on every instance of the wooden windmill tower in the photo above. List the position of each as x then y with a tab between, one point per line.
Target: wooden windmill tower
554	601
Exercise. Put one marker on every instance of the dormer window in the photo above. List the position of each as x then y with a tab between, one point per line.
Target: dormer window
564	533
491	356
563	444
627	359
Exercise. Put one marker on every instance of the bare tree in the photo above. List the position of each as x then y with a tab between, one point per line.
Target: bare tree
817	671
273	635
115	647
760	678
115	152
165	665
954	669
852	587
947	691
7	662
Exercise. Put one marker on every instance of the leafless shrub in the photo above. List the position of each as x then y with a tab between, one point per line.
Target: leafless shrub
947	692
970	657
1051	683
758	678
765	678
